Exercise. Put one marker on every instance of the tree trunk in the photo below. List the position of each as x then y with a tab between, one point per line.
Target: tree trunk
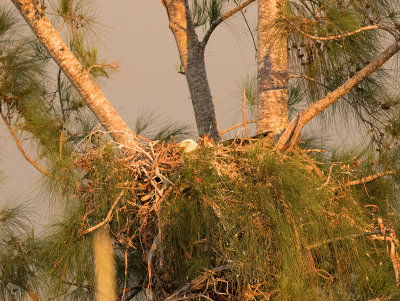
79	77
272	77
191	53
103	254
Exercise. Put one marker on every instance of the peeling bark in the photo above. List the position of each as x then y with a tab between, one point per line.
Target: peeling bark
272	77
79	77
191	52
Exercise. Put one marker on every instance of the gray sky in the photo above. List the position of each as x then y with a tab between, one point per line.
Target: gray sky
137	34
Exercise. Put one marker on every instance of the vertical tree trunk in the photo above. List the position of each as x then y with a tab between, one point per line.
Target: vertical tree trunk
272	78
105	275
80	78
191	52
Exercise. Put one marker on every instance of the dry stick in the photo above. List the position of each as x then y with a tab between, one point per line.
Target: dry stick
329	176
340	36
369	178
223	18
334	96
244	116
125	273
108	217
236	126
21	149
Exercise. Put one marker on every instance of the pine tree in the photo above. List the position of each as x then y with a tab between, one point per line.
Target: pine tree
240	222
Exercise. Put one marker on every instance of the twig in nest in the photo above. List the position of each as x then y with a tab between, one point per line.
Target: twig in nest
21	149
150	256
196	283
329	176
369	178
236	126
108	217
125	272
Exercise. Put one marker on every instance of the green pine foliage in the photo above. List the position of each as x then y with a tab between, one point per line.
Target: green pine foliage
239	223
268	220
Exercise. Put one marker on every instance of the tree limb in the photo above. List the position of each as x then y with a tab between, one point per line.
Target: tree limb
340	36
50	38
332	97
369	178
21	149
221	19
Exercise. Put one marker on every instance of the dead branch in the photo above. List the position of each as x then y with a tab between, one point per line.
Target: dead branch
221	19
369	178
108	217
21	149
236	126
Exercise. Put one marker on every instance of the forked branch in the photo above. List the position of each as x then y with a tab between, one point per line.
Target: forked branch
223	18
291	134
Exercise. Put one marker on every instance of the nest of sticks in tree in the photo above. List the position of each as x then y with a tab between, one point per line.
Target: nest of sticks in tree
242	222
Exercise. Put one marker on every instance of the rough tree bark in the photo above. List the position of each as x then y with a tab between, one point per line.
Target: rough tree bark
191	52
79	77
272	76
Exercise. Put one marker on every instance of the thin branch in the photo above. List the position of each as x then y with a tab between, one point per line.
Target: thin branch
108	217
125	272
244	116
292	133
340	36
308	78
248	27
21	149
235	127
392	31
221	19
369	178
59	94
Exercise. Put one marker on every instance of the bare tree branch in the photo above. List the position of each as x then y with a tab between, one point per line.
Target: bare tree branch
340	36
317	107
21	149
369	178
221	19
50	38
